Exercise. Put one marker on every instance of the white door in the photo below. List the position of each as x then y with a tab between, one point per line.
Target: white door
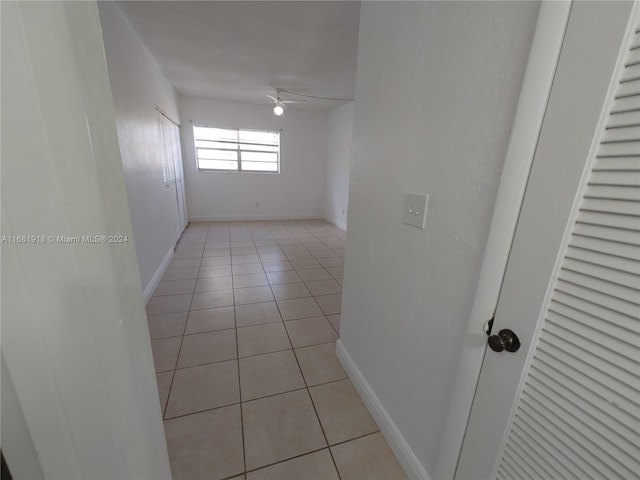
171	154
179	176
567	403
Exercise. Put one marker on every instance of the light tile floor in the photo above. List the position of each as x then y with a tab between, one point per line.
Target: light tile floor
243	328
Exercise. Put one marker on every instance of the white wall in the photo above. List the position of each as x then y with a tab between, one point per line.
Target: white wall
436	94
75	337
298	192
17	445
338	163
139	85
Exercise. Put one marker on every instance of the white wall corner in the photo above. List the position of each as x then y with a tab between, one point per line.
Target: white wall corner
340	225
338	164
403	452
153	283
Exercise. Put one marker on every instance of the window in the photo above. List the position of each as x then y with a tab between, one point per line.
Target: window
235	150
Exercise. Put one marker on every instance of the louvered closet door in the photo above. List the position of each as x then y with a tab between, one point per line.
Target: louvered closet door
579	411
168	153
576	411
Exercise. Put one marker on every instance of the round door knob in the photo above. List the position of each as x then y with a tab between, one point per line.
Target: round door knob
504	340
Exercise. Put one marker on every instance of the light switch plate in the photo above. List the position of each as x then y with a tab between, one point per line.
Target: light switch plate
415	209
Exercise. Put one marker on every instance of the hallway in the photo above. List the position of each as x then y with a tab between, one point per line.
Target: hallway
243	327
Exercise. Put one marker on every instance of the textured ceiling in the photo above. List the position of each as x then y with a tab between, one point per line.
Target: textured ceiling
241	50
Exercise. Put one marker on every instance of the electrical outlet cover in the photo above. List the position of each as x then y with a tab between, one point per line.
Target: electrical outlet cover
415	209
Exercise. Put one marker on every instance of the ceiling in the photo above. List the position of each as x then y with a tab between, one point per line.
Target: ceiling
244	50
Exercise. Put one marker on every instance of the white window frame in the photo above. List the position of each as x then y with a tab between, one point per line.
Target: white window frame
239	151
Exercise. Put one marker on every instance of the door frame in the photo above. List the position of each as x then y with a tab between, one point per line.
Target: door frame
532	104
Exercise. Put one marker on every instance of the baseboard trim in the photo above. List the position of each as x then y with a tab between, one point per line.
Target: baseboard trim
153	283
407	459
250	218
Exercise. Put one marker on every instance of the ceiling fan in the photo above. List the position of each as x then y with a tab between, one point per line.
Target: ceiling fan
279	104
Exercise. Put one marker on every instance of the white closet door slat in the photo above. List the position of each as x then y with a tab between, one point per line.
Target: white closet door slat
624	119
537	466
612	278
521	464
527	428
588	307
626	222
621	149
625	105
609	174
552	359
612	363
631	73
525	441
621	422
517	471
624	395
626	134
611	449
563	439
633	57
629	88
501	476
607	233
614	207
628	336
614	164
591	332
618	249
601	299
625	193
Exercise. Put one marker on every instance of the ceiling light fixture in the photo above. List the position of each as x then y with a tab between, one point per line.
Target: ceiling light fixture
278	103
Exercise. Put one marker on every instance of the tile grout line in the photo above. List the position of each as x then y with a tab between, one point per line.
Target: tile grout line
175	367
329	447
326	440
288	459
235	322
250	356
335	465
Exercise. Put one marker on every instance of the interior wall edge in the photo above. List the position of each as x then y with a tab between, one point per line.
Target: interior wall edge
157	276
